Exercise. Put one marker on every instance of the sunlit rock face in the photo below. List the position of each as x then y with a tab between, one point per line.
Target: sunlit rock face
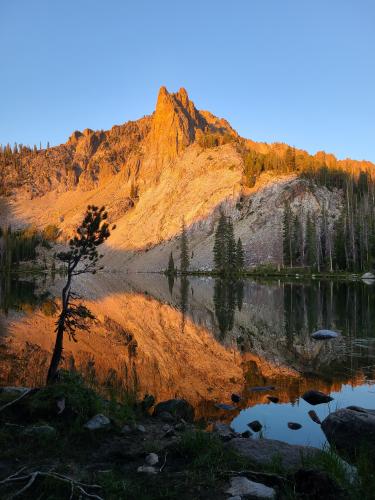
155	171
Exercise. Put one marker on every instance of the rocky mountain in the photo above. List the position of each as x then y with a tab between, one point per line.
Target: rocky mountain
178	163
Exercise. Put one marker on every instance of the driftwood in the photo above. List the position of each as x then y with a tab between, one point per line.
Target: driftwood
23	395
77	486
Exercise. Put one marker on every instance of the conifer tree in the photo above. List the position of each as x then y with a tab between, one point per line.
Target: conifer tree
231	248
240	256
220	245
171	269
82	257
311	242
184	256
287	236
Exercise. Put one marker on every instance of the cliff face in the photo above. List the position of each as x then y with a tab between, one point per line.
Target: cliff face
177	163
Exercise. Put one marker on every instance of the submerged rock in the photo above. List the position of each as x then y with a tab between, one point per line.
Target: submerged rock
255	425
351	428
316	397
178	408
294	426
325	335
262	388
314	417
97	422
235	398
264	451
224	406
243	487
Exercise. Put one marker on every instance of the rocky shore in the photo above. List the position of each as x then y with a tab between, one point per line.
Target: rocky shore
65	441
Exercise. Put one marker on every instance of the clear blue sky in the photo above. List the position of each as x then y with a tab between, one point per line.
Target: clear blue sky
297	71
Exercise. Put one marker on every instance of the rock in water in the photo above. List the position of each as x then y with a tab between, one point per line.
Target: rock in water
235	398
324	335
255	425
224	406
273	399
262	388
243	487
294	426
97	422
316	397
350	429
314	417
178	408
368	276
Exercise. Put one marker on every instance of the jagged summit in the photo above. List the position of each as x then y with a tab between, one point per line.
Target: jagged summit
176	122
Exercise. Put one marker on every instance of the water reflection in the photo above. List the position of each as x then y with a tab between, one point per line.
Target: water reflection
236	334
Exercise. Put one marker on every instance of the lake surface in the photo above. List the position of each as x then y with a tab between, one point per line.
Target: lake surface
204	339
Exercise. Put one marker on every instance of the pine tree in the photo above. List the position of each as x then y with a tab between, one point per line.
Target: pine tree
240	256
220	245
231	248
290	159
311	242
171	269
184	256
287	236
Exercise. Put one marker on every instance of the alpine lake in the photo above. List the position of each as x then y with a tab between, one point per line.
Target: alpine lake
204	339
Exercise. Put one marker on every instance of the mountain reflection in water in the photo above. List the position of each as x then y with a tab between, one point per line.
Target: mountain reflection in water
203	339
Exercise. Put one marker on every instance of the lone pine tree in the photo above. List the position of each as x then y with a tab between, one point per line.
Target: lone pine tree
82	257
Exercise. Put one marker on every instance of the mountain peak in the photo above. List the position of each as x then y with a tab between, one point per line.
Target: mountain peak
174	124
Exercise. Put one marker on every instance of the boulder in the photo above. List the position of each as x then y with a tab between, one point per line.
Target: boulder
178	408
152	459
243	487
349	429
316	397
265	451
313	484
324	335
224	431
97	422
368	276
45	431
165	416
147	469
255	425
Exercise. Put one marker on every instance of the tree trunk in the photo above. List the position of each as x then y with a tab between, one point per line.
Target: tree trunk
58	349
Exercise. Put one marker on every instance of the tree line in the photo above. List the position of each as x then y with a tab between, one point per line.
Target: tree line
21	245
327	244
